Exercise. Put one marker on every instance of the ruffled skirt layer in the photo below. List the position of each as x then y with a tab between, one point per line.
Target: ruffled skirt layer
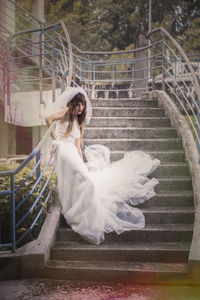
98	196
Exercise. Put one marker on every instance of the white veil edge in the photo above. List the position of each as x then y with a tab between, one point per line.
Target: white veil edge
69	94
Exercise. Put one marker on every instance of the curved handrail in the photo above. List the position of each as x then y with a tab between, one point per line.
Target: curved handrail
14	189
110	52
31	155
170	37
63	68
70	52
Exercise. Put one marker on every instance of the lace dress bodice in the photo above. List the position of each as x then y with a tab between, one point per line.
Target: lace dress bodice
61	129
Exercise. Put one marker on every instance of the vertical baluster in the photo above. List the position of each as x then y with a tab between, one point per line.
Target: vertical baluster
94	77
53	66
80	71
40	67
13	235
38	167
4	63
163	66
8	69
0	231
154	68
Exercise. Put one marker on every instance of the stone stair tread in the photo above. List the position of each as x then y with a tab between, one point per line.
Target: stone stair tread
168	163
133	140
127	108
174	193
150	152
130	128
171	209
154	154
120	99
132	118
151	227
173	163
128	246
120	266
172	178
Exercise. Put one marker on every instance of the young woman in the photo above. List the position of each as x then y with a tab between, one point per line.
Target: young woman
97	196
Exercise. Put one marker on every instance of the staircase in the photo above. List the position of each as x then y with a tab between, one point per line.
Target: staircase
159	252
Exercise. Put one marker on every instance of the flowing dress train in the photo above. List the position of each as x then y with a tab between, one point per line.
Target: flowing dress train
98	196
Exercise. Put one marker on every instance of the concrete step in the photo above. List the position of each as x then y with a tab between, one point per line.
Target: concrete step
121	271
163	215
170	198
183	183
171	169
168	215
150	233
137	251
164	156
127	112
138	144
129	132
137	102
130	122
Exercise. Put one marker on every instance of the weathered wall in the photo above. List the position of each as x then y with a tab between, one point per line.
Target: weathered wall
7	136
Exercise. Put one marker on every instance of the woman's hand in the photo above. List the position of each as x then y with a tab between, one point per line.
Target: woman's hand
55	116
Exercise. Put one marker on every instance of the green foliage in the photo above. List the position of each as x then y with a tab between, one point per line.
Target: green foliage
191	37
5	202
108	24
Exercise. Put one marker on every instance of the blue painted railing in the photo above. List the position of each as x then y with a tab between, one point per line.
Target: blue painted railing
49	56
44	163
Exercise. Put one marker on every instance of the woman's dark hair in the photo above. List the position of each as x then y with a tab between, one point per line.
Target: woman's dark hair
70	114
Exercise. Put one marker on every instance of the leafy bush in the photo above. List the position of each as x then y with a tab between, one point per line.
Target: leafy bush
5	203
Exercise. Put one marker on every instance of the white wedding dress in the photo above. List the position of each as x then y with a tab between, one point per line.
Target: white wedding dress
98	196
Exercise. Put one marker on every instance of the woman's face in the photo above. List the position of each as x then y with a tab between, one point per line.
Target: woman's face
79	108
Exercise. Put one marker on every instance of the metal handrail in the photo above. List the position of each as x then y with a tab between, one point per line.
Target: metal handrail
14	189
180	49
183	87
59	71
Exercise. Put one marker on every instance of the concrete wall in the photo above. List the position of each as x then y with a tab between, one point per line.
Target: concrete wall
38	9
7	15
7	136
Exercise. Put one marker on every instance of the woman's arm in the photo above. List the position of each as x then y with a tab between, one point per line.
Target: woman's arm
78	145
55	116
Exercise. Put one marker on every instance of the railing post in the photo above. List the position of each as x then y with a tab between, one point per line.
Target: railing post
80	71
53	66
90	72
38	167
4	63
154	70
113	73
13	235
40	67
163	66
0	231
8	72
94	77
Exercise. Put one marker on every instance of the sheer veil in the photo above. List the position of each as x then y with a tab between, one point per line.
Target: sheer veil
69	94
